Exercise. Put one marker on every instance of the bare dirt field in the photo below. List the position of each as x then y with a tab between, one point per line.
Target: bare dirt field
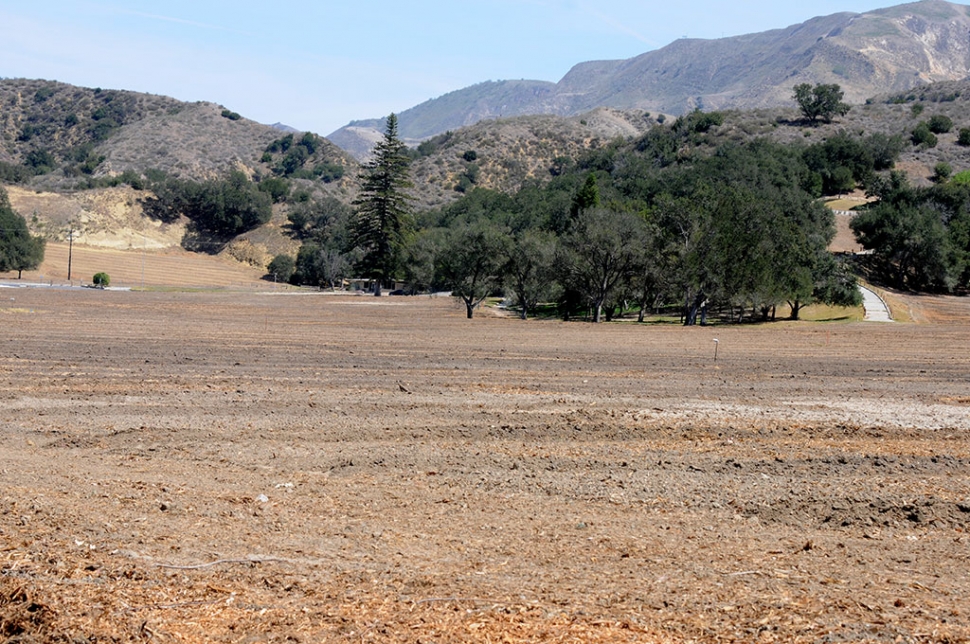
171	267
246	467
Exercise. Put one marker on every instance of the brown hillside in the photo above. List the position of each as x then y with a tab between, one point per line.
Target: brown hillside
510	152
108	217
67	135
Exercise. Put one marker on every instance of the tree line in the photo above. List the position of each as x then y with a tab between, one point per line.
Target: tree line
661	223
919	238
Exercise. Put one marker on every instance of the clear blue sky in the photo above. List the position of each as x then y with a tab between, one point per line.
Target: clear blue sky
317	65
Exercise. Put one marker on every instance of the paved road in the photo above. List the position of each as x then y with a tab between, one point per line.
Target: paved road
876	309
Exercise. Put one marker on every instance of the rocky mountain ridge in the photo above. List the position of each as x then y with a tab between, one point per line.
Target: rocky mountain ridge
890	49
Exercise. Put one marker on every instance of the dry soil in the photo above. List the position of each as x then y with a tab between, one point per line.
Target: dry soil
246	467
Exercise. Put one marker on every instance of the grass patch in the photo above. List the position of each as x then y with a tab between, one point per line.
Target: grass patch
846	203
825	313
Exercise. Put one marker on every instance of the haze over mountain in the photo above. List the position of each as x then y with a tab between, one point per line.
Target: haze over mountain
885	50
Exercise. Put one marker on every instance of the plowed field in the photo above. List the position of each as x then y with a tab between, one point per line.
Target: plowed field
171	267
244	467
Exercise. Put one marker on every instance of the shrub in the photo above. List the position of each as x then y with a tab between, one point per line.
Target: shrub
311	142
232	116
277	188
101	279
14	173
42	161
964	138
941	172
470	155
43	94
940	124
916	109
280	145
329	172
133	179
922	136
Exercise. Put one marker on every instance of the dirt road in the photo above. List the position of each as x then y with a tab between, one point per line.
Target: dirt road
248	468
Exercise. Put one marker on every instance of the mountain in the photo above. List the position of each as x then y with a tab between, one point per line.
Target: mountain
891	49
449	112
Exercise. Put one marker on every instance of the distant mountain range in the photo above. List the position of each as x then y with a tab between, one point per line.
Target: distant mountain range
892	49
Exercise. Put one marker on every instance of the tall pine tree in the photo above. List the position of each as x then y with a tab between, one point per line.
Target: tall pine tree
383	216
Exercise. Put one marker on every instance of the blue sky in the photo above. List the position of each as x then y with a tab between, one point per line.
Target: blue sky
318	65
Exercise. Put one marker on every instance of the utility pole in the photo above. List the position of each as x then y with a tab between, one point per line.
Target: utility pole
70	252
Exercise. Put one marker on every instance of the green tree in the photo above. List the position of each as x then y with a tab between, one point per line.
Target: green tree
820	102
833	284
909	244
599	253
908	236
19	250
587	197
230	206
321	265
221	207
383	216
281	268
841	161
528	268
419	261
744	233
469	262
324	218
884	150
